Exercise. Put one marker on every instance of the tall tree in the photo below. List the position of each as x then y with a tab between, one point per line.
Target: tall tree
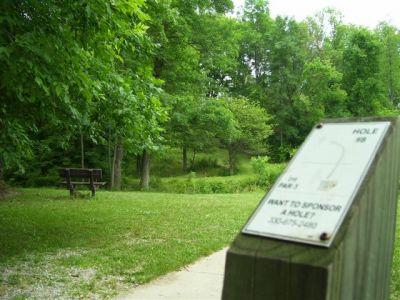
390	61
288	55
73	66
252	128
252	74
44	79
322	95
193	59
198	124
217	40
361	74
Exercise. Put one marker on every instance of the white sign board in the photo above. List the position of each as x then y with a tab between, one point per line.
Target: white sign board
309	201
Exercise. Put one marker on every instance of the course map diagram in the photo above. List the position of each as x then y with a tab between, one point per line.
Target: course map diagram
309	201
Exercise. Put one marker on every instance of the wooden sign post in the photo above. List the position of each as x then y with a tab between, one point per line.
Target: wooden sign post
326	229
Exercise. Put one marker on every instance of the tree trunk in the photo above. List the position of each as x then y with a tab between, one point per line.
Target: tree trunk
82	150
119	154
184	159
110	158
145	174
138	165
113	166
1	170
158	67
3	188
231	160
192	161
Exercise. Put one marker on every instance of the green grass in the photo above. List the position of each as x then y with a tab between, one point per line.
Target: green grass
53	246
208	175
168	163
198	183
213	163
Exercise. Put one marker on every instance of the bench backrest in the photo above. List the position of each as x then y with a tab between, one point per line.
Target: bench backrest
81	173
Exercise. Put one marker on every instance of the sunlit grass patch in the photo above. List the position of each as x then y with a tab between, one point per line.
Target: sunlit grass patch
54	246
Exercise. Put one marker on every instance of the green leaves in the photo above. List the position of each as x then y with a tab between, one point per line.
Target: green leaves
63	61
361	68
390	62
123	69
4	52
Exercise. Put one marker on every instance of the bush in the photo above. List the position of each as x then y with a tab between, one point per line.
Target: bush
206	185
192	183
266	173
129	183
36	179
4	189
261	169
47	181
206	163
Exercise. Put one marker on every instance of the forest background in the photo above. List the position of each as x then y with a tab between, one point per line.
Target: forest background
120	84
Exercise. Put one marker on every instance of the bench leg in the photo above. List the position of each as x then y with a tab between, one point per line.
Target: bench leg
71	191
93	190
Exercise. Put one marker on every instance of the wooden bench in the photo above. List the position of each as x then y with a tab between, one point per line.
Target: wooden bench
89	177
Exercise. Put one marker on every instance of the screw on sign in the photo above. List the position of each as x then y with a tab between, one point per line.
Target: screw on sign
324	236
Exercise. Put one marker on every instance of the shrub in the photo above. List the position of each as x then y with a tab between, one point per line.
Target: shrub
261	169
206	185
130	183
206	163
192	183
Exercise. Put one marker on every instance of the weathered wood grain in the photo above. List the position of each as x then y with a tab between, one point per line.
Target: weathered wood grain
358	264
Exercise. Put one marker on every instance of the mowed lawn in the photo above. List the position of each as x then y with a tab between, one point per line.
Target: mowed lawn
53	246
